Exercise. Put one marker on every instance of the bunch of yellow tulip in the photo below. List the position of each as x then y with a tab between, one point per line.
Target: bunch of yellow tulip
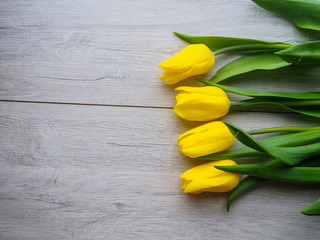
209	140
201	104
210	102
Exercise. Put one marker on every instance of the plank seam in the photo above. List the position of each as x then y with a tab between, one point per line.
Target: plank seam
85	104
124	106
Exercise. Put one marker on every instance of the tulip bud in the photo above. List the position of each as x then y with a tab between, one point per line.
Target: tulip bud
201	103
206	139
206	178
194	59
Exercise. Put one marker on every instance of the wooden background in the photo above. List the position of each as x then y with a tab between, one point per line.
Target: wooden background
88	136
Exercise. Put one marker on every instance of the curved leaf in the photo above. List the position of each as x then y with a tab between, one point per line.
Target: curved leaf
294	155
257	93
266	61
303	13
216	43
251	182
246	139
291	174
244	186
288	155
313	209
302	54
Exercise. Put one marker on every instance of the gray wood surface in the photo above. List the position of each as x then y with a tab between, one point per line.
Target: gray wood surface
88	137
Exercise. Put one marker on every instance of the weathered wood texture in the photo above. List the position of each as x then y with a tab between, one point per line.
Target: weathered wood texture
106	52
70	171
87	172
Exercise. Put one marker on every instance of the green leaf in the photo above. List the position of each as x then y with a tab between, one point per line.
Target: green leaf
288	155
236	153
291	174
288	140
216	43
302	54
303	13
294	155
311	111
251	182
313	209
246	139
265	61
257	93
244	186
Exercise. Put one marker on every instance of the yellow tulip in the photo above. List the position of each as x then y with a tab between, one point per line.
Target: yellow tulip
206	178
201	103
206	139
194	59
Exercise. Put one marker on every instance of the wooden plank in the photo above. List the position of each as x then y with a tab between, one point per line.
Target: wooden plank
107	52
93	172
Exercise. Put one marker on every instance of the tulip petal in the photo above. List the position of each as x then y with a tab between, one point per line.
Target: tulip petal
163	76
174	77
206	90
193	60
199	107
196	69
202	128
227	183
205	178
223	183
213	138
206	170
189	56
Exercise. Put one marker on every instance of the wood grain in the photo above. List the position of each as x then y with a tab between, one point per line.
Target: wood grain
101	161
107	52
90	172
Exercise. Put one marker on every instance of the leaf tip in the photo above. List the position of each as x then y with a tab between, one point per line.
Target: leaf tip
228	205
218	167
304	212
228	168
178	34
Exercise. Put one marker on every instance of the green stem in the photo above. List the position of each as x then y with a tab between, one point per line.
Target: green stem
252	47
253	104
282	129
265	94
291	174
300	103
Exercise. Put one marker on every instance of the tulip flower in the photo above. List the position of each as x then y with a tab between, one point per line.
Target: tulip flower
201	103
194	59
206	178
206	139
